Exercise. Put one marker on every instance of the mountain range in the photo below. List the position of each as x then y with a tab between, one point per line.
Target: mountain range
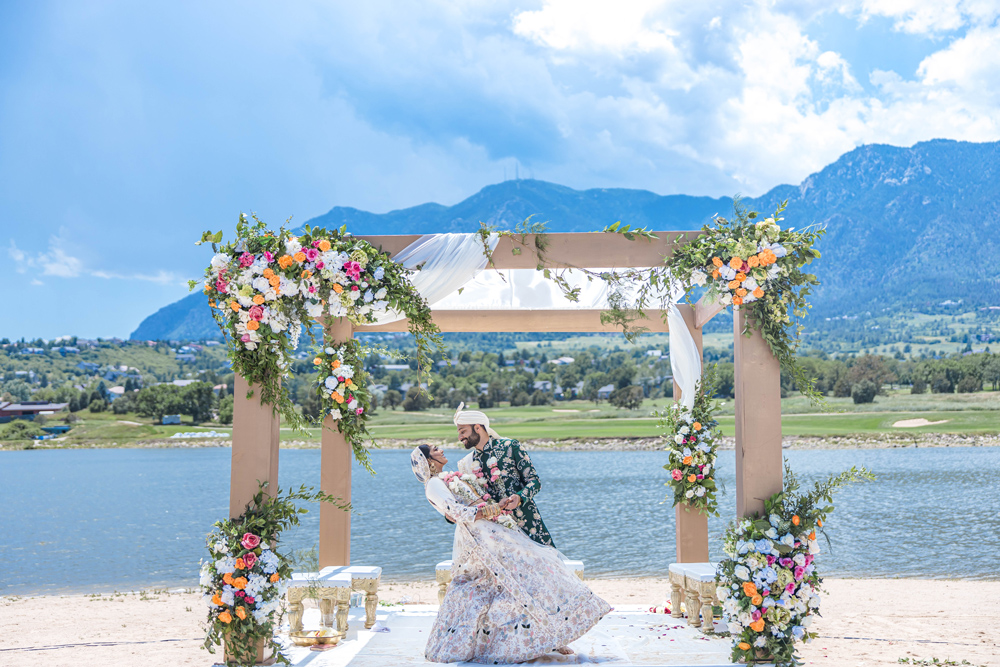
907	228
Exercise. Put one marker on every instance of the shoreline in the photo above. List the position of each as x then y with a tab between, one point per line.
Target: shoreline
879	622
793	442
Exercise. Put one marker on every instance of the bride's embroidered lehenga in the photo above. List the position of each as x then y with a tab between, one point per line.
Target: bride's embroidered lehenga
510	599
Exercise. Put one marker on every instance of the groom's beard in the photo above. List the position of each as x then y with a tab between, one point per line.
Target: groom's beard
471	441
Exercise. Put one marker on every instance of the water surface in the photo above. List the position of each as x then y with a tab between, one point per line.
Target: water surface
121	519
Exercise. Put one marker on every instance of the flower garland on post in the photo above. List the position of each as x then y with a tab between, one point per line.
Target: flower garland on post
756	266
768	584
264	286
342	392
246	577
692	441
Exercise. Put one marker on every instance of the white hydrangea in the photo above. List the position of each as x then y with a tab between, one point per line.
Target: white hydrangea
228	596
225	565
220	261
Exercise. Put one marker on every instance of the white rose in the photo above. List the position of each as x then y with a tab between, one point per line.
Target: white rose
684	430
750	284
314	308
330	350
699	277
689	493
742	572
734	628
679	439
699	491
381	293
706	469
727	299
220	261
722	593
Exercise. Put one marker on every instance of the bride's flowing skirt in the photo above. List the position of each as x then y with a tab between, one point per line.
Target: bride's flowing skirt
510	600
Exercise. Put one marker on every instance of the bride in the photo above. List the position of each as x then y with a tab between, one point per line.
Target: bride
510	599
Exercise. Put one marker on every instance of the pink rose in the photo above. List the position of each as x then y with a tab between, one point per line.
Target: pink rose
771	559
320	265
250	541
360	410
220	285
355	288
311	254
250	559
246	259
246	338
268	256
790	588
756	614
250	599
312	289
786	562
800	572
676	474
809	559
256	312
701	477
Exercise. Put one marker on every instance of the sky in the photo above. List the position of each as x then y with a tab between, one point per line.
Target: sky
127	128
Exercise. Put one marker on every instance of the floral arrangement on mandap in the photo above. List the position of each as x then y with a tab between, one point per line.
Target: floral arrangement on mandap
263	287
692	441
768	584
471	487
756	265
246	577
345	400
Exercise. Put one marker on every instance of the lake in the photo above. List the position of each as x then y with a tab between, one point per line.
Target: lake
121	519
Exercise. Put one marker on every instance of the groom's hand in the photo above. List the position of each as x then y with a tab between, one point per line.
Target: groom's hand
511	502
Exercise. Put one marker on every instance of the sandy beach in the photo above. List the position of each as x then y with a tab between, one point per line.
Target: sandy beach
865	622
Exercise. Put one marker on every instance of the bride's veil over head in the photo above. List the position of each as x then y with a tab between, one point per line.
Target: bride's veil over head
421	468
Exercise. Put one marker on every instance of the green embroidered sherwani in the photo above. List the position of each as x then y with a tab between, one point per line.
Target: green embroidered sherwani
517	476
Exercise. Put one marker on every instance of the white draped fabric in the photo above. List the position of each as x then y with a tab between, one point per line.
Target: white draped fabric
451	262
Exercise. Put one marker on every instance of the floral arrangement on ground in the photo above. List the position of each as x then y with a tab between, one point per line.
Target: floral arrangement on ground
692	441
471	487
263	287
246	576
768	583
756	266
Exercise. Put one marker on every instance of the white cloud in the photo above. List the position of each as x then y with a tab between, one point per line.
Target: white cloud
57	262
932	16
162	277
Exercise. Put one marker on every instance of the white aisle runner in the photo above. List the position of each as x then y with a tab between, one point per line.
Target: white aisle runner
629	635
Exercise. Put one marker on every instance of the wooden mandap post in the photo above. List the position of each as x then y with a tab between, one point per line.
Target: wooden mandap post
335	474
758	420
255	447
692	525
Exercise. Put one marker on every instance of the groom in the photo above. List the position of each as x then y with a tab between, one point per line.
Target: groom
517	483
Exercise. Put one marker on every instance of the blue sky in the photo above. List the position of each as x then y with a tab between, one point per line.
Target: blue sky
126	129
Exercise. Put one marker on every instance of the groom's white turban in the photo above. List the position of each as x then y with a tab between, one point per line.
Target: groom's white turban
473	417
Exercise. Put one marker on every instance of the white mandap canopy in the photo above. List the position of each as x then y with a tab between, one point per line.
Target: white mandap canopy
506	292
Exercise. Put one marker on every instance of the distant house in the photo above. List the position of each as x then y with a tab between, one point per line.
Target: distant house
543	385
395	367
29	410
561	361
69	350
115	392
183	383
88	366
604	393
184	357
654	353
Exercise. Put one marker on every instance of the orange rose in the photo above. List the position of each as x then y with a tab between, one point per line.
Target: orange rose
349	382
274	281
741	277
240	564
812	535
737	301
274	578
258	299
758	625
749	589
228	578
253	325
756	600
317	361
692	478
267	273
687	460
241	612
696	426
717	261
211	304
758	292
734	284
715	274
216	600
240	583
306	274
235	306
226	617
754	261
819	522
741	292
336	363
324	245
285	261
337	288
736	263
299	257
339	399
796	520
744	646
